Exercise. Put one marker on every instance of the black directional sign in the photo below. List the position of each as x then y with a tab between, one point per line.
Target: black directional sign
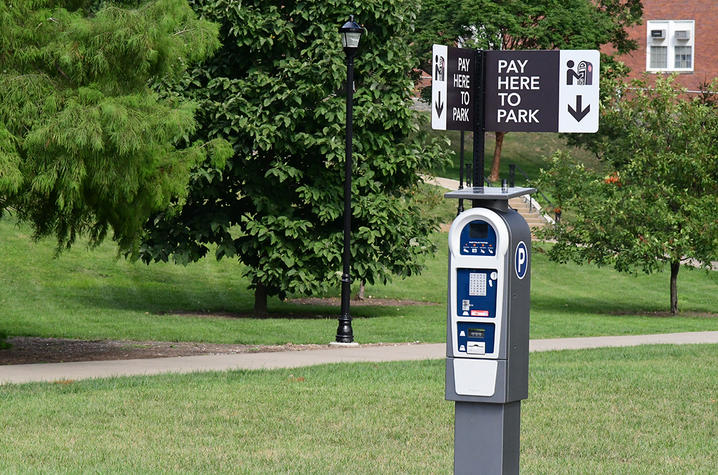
521	91
526	91
542	91
452	105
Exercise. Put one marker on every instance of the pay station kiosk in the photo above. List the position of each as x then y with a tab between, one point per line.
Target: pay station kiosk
487	340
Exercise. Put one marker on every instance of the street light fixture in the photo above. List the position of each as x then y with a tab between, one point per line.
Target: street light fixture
351	33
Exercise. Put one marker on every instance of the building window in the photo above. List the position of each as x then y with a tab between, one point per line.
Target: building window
684	56
659	57
670	45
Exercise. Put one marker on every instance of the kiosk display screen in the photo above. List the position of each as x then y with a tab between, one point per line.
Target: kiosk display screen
478	238
478	230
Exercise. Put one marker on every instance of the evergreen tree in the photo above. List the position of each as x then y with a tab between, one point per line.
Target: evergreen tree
275	91
85	145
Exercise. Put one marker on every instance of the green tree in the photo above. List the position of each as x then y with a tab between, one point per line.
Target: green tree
85	145
525	24
658	202
275	91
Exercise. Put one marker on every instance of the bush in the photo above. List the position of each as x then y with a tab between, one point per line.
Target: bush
3	341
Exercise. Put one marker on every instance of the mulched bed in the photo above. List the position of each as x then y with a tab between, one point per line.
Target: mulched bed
367	302
315	301
56	350
28	350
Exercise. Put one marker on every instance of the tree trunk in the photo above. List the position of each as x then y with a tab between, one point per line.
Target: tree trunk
675	266
260	300
497	156
362	288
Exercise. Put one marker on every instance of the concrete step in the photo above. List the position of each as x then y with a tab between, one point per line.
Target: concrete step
534	218
529	212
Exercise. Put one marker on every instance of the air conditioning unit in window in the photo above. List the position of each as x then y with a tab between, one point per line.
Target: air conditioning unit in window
658	35
683	35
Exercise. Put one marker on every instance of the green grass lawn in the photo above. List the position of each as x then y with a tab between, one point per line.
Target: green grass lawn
642	410
89	294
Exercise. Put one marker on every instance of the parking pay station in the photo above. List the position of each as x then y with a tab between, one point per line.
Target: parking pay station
487	340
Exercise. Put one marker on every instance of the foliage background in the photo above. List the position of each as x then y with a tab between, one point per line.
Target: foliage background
658	202
275	92
85	145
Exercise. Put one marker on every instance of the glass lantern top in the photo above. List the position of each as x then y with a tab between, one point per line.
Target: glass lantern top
351	33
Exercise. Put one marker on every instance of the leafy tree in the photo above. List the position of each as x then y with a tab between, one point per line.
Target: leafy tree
659	201
275	91
85	145
525	24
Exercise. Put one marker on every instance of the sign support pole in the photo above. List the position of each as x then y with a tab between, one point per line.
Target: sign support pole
479	123
461	173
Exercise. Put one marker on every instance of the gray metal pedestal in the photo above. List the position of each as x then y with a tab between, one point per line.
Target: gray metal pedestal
486	438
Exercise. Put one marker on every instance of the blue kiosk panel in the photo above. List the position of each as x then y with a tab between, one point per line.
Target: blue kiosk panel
476	292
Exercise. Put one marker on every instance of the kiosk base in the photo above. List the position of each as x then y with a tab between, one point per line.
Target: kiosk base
486	438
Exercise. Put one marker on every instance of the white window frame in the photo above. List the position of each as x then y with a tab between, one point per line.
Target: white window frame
670	42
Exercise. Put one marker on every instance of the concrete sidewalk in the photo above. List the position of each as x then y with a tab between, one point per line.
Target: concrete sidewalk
292	359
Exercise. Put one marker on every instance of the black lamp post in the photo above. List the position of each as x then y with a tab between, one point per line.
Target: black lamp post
351	33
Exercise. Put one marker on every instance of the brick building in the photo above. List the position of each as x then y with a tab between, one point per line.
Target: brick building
677	36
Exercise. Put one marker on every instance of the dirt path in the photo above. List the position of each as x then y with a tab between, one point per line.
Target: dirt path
367	302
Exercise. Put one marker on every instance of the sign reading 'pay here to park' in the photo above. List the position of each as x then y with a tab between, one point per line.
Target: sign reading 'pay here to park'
526	91
453	88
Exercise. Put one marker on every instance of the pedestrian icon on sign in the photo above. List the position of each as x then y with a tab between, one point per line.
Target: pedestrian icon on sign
439	68
583	75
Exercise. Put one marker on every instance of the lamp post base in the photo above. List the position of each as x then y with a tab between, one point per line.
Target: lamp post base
341	344
345	334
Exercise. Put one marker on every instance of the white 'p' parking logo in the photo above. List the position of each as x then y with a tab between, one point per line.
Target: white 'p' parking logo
521	260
